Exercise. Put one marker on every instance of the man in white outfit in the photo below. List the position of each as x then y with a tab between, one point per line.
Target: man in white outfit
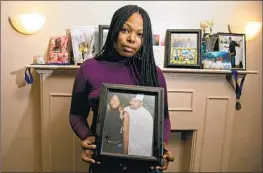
138	128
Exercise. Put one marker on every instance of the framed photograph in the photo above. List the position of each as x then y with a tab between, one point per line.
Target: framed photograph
84	42
129	126
103	33
235	44
216	60
182	48
58	50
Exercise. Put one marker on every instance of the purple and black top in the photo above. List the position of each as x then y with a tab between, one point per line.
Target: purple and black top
86	91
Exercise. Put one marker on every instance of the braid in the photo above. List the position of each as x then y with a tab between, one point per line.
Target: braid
141	66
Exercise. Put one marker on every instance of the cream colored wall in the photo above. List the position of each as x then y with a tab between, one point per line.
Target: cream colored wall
246	152
20	144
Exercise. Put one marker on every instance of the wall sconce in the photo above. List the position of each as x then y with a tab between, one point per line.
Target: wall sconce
27	24
251	29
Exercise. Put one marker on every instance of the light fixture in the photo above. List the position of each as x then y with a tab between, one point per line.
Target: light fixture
29	23
251	29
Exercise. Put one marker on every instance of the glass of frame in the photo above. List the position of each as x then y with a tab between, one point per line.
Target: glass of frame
182	48
235	44
129	126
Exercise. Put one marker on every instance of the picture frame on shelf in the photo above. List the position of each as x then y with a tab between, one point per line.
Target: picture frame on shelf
183	48
216	60
84	42
58	52
103	33
123	136
235	44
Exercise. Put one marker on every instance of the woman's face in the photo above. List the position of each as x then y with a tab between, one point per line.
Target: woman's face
130	36
114	102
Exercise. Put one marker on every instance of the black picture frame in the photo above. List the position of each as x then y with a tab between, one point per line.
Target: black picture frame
102	37
155	96
223	41
190	45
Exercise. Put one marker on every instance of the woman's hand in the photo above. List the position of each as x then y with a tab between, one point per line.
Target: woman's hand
167	157
87	149
121	113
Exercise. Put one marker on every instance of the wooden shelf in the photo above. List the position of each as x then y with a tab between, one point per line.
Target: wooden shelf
165	70
52	67
205	71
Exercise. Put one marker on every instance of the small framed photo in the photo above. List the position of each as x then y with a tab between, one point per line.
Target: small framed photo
216	60
103	33
182	48
84	42
129	128
235	44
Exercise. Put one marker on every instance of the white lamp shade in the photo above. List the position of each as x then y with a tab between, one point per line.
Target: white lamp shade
251	29
28	24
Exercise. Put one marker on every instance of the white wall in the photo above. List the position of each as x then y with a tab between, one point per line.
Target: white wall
20	111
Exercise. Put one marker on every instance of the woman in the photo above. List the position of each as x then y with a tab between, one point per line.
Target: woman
126	58
113	135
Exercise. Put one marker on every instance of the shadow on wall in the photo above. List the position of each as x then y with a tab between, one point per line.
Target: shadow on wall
24	152
20	80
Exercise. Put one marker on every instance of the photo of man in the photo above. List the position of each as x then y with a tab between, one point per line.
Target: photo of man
235	45
232	50
57	47
137	128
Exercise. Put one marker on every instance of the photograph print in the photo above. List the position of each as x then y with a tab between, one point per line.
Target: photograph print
126	125
216	60
182	48
84	42
235	44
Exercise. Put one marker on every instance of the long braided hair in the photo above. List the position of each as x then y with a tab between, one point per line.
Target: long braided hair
142	65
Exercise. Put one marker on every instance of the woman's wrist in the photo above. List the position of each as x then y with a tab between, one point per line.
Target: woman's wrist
165	146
